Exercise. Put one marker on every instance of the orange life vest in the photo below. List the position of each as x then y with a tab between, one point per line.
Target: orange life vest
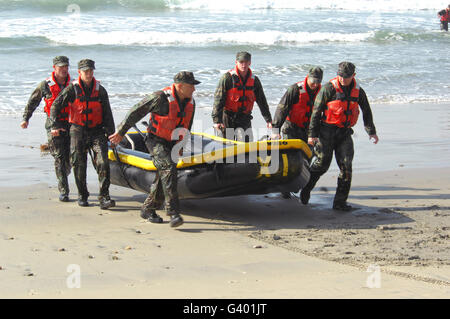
55	90
344	111
300	112
445	16
86	110
164	125
242	96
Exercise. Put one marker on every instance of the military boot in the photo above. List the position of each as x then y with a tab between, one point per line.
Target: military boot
175	219
340	199
83	200
151	216
64	198
305	194
106	202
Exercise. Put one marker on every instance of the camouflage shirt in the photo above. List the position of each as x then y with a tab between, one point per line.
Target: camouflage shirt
156	102
327	94
41	91
68	95
289	98
220	97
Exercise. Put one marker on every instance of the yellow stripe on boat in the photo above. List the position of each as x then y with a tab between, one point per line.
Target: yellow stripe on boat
235	149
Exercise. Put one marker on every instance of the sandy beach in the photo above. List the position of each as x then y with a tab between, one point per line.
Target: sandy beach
239	247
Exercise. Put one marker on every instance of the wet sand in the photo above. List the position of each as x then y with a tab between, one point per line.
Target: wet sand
242	247
239	247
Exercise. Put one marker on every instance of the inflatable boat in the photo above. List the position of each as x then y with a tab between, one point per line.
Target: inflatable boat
212	166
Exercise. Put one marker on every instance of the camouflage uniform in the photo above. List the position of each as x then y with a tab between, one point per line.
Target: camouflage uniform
59	145
83	139
333	138
164	187
237	120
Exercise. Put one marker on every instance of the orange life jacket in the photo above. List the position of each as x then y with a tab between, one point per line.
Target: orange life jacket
445	16
300	112
242	96
344	111
86	110
164	125
55	90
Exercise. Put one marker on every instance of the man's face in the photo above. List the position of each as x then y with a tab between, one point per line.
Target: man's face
86	75
313	85
346	81
243	66
61	71
185	90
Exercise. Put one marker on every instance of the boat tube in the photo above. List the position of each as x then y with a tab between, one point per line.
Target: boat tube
212	166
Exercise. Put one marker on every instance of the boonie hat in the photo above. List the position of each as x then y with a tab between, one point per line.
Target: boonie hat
60	60
243	56
86	64
185	77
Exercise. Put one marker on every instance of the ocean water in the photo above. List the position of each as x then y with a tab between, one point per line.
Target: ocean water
400	54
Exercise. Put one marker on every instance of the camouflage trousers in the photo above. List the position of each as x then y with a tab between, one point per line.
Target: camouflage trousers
164	187
339	141
81	141
240	125
292	131
59	147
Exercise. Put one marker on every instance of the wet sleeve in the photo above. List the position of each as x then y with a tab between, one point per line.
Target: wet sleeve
220	97
64	98
367	113
262	101
151	103
108	119
34	100
320	105
289	98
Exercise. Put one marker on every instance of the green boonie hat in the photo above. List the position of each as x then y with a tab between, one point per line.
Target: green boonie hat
185	77
60	60
315	74
86	64
243	56
346	69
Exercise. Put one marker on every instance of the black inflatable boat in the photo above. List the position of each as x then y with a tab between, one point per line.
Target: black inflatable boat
211	166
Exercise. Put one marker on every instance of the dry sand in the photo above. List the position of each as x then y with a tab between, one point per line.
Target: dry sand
238	247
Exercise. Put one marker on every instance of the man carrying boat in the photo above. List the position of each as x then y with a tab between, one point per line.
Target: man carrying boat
170	109
234	98
295	108
59	146
91	121
335	112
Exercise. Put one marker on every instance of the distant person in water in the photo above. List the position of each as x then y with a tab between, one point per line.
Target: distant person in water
444	15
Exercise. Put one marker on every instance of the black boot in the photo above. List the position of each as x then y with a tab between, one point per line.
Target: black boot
175	219
305	194
151	216
342	207
64	198
83	201
340	199
106	202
